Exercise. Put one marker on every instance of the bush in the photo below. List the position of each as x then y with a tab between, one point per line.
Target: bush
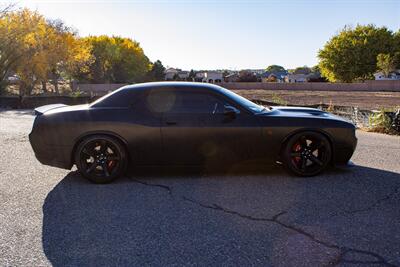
382	122
77	94
278	100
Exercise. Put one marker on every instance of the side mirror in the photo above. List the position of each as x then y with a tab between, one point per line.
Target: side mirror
231	111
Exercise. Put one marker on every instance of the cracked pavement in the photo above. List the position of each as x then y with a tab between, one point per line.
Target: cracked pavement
346	217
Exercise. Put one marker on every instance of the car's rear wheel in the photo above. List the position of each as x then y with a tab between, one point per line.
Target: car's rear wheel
307	154
101	159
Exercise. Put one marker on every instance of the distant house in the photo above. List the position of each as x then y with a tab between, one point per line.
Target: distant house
183	75
208	76
213	77
170	74
232	77
199	76
380	76
277	76
13	79
302	77
296	78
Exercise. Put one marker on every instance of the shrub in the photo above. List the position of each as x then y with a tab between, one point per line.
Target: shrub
381	122
278	100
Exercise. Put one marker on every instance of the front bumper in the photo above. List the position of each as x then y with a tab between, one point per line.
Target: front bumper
344	152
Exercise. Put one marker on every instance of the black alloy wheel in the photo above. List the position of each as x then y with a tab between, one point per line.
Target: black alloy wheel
307	154
101	159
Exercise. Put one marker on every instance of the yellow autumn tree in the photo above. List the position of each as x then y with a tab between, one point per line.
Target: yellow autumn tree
116	60
66	54
38	50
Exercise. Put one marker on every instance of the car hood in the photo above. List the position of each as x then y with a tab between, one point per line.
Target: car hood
301	112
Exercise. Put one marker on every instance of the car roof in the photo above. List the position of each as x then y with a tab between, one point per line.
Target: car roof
160	85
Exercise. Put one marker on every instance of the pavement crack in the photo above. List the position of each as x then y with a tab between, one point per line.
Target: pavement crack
165	187
375	204
343	251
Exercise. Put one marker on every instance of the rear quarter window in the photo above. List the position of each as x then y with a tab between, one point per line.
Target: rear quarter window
121	99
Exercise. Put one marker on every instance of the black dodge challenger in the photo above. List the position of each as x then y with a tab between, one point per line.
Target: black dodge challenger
181	123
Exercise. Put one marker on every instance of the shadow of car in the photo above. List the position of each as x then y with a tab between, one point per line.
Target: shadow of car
212	220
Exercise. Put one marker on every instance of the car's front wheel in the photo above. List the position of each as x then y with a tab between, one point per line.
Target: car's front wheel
101	158
307	153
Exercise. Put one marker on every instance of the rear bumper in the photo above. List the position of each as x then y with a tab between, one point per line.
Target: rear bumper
52	155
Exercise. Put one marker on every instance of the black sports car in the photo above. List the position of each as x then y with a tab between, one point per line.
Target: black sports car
180	123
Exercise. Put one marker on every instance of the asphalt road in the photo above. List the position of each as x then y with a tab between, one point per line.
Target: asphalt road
347	217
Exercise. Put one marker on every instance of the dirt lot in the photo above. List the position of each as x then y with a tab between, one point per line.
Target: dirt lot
363	100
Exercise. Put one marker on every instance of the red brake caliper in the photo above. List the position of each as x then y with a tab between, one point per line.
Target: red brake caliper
296	148
111	164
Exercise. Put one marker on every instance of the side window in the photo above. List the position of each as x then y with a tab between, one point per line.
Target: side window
121	99
170	100
196	102
160	101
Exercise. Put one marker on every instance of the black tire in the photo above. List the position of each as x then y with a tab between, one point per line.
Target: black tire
307	154
101	159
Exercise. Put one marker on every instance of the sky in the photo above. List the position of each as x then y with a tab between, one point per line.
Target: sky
235	34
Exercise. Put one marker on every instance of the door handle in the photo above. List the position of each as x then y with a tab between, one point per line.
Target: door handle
170	123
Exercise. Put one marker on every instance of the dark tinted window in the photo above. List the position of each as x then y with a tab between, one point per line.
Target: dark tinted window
183	101
120	98
196	102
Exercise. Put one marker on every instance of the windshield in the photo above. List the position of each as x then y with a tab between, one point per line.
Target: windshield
244	101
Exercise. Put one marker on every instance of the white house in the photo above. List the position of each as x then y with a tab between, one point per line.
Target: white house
199	76
380	76
296	78
170	74
213	77
183	75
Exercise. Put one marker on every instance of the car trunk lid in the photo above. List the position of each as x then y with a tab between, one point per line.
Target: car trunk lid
42	109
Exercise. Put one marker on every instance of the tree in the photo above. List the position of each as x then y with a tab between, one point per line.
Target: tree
315	69
156	72
247	76
352	54
23	36
38	50
275	68
66	54
11	48
116	60
302	70
192	75
388	63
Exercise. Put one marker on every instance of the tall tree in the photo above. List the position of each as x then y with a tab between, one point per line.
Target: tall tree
302	70
67	55
192	75
247	76
37	50
11	47
388	63
352	54
275	68
116	60
23	34
156	72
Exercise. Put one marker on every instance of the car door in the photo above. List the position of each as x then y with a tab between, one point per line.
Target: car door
195	129
143	131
